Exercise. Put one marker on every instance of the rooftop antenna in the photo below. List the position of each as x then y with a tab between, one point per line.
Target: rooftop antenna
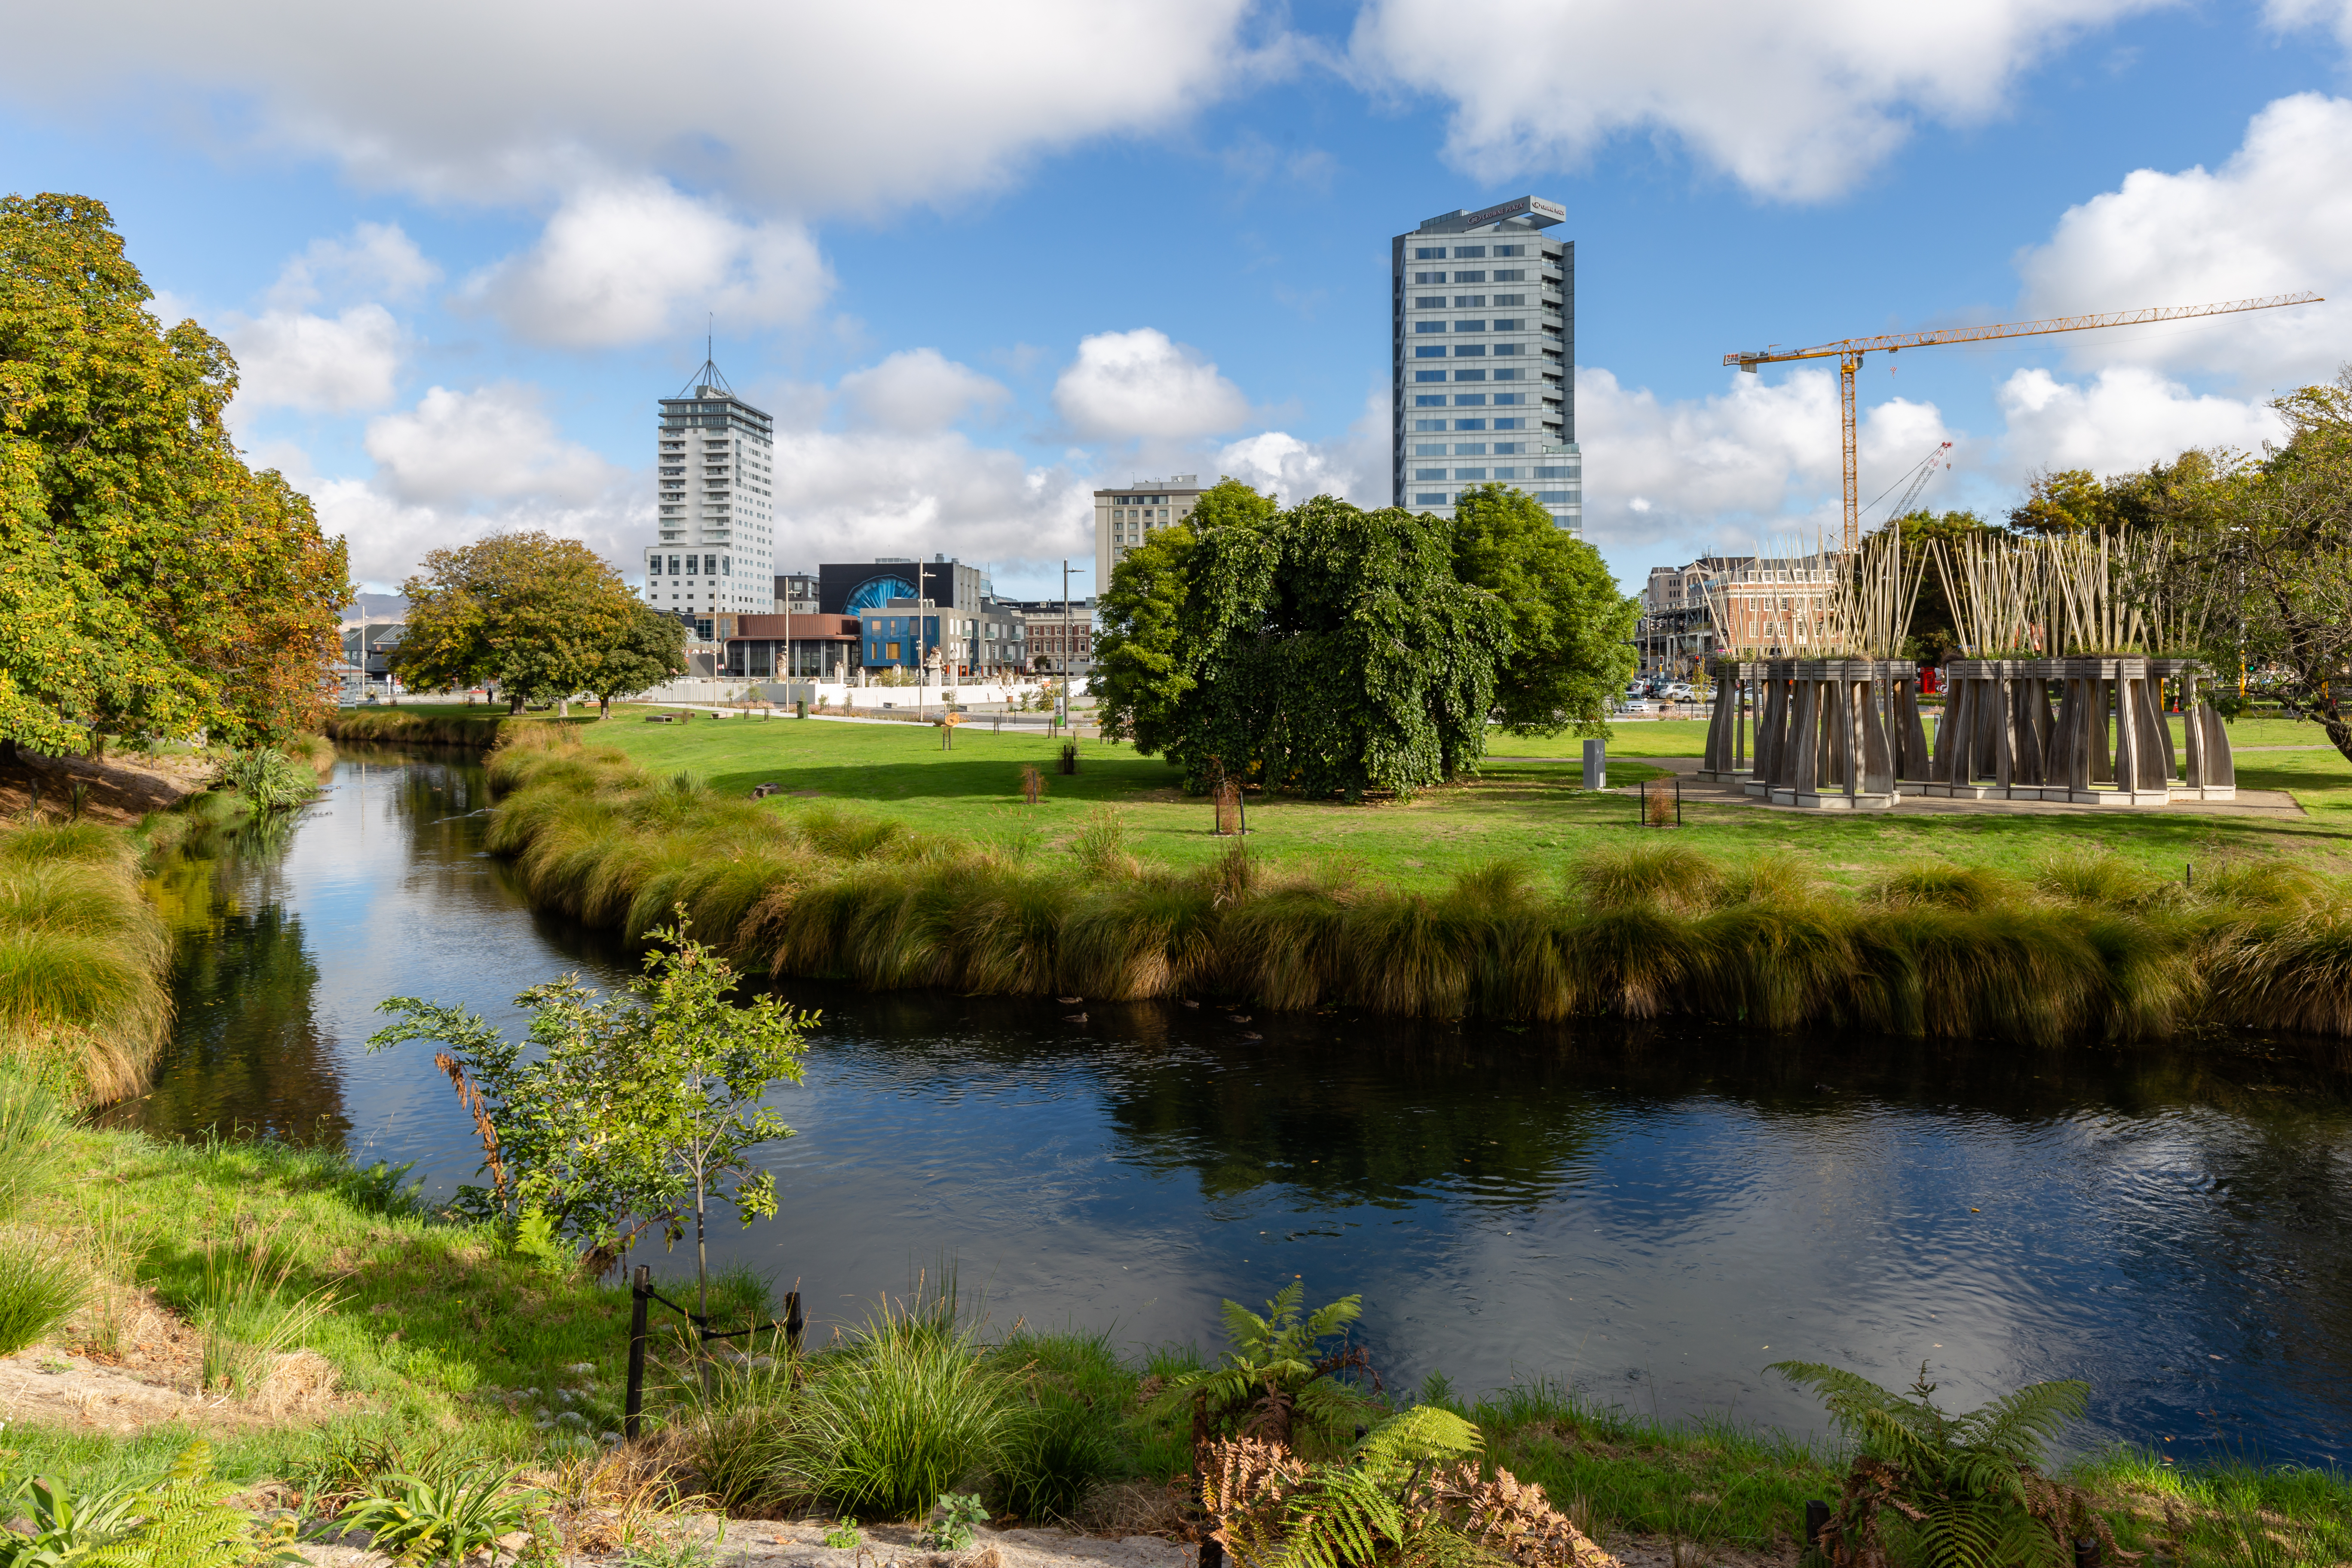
708	376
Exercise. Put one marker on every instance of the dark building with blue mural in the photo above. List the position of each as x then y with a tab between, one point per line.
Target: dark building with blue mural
907	608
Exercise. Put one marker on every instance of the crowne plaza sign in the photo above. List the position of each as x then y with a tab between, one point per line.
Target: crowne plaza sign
1533	205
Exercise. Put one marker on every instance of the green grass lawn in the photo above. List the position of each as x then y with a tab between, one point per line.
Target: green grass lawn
1532	811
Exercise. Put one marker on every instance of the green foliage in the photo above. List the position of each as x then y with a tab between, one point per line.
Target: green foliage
247	1312
268	779
649	650
842	1535
1323	649
1274	1374
1965	1483
736	1423
417	1519
1571	631
41	1285
1376	1504
1934	636
896	1416
952	1521
536	613
155	585
181	1520
612	1115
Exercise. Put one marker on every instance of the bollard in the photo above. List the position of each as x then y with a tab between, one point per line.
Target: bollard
639	1286
2086	1551
1678	800
1596	764
794	1324
1817	1524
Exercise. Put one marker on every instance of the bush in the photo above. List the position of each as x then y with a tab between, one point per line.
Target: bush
896	1419
40	1287
268	779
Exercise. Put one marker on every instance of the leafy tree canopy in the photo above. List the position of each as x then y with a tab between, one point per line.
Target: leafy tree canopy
1572	631
649	650
1935	629
1323	649
150	583
536	613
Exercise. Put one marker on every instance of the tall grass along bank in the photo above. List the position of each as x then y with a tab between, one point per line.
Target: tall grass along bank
476	727
84	1005
2069	948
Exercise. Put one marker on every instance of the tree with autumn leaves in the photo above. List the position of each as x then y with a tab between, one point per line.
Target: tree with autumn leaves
150	583
546	618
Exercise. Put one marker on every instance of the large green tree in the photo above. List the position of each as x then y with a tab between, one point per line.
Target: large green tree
150	583
649	650
1935	626
1571	631
1323	649
536	613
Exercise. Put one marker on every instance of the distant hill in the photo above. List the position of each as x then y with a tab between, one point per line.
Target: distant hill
375	608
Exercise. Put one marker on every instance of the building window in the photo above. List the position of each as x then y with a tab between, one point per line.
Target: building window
1469	326
1469	252
1508	474
1512	325
1470	448
1429	473
1429	400
1512	374
893	650
1469	423
1469	351
1469	278
1436	499
1429	375
1559	473
1469	400
1508	449
1430	302
1425	279
1430	449
1429	253
1509	399
1507	300
1559	497
1429	423
1469	376
1429	350
1510	424
1461	474
1510	250
1469	301
1428	326
1509	348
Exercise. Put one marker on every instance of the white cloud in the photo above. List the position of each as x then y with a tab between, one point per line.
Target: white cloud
1133	384
379	259
389	538
623	262
2276	218
2293	16
1355	468
1796	100
798	107
2126	418
920	390
845	497
491	444
329	364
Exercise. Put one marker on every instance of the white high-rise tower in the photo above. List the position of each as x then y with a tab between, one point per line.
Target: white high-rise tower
1483	346
715	549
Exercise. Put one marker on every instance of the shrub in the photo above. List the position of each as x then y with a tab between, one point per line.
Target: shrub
268	779
420	1521
736	1428
897	1417
40	1287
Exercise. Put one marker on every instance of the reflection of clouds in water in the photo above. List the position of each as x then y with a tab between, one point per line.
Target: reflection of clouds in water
1658	1219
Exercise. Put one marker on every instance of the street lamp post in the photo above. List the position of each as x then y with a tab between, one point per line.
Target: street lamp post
1066	646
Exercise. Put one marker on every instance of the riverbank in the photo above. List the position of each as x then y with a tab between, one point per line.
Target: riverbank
1641	924
389	1340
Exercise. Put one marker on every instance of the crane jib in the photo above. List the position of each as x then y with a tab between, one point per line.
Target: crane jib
1893	341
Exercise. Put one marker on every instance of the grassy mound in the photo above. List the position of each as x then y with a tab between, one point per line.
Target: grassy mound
2075	946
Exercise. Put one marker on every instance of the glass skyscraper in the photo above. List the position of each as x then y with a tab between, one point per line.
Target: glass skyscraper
1483	313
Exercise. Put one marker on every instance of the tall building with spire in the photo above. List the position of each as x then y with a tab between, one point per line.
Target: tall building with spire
714	550
1483	353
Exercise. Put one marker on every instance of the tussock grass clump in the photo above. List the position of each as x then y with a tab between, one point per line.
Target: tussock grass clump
83	1004
2079	946
899	1414
412	727
41	1285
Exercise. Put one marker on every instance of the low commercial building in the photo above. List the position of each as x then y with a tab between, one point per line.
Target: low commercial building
908	610
1061	634
789	646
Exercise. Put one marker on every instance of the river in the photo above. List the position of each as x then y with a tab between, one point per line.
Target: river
1651	1215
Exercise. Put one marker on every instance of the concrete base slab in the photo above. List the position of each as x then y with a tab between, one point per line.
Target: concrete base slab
1759	788
1806	801
2204	792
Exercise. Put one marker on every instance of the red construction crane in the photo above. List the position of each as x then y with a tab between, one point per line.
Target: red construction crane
1848	352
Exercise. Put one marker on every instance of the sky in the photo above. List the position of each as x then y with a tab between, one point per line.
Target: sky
980	260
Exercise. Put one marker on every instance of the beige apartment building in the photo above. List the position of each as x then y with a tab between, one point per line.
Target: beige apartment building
1778	603
1123	516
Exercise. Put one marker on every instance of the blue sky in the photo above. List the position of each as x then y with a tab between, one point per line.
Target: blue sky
978	260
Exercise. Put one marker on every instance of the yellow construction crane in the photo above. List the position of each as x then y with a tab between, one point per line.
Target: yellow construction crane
1848	352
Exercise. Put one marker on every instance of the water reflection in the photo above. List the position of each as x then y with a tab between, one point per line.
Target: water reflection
1657	1213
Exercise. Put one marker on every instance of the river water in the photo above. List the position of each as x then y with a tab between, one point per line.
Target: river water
1651	1215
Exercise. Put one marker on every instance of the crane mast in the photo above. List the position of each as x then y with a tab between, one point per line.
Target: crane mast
1849	353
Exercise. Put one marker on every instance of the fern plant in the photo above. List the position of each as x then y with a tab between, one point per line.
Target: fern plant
1274	1375
1967	1485
185	1521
